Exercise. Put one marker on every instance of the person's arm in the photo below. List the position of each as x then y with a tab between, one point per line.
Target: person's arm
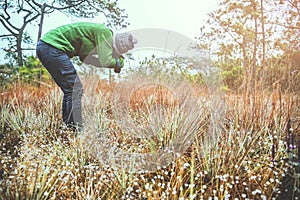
104	41
91	59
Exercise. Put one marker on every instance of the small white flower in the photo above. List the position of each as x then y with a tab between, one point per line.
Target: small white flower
258	191
229	185
186	165
263	197
147	186
221	188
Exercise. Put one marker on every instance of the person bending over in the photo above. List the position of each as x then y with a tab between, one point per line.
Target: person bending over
95	44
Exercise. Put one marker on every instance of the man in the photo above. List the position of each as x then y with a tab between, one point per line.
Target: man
94	44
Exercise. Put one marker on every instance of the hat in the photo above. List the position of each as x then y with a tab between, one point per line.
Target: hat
123	42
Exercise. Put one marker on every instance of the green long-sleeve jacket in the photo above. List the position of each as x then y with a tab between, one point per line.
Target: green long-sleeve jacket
84	39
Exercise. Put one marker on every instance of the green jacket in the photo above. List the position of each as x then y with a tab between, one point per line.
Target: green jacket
84	39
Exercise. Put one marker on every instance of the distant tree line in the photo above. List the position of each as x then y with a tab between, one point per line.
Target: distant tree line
256	43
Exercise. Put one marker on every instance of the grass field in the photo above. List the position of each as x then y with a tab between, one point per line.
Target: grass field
250	155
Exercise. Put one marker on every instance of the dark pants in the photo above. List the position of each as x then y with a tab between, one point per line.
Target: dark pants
63	72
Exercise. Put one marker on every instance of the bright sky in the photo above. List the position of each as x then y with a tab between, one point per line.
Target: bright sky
184	17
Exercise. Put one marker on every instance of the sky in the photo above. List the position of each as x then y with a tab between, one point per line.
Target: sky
185	17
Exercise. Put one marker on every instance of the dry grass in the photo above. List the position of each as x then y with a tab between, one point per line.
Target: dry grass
42	160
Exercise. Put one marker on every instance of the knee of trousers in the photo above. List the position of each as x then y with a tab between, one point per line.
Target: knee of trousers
74	90
77	90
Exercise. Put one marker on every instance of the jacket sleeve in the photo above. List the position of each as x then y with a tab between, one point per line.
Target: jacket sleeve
104	46
90	59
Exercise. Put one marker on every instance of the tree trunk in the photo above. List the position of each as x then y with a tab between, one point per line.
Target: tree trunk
254	68
19	49
254	58
263	44
246	71
41	21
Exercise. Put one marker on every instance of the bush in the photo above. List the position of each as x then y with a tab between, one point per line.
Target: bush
31	73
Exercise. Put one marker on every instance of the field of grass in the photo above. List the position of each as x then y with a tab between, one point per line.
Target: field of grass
251	154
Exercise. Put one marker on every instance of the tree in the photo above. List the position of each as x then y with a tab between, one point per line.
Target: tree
240	32
250	33
288	44
30	10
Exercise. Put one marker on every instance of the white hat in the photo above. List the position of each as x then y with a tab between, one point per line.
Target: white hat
123	42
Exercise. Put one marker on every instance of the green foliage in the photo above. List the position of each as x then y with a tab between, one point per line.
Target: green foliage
10	55
33	70
114	15
232	75
31	73
6	74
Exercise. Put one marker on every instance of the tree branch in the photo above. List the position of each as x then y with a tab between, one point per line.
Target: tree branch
5	10
227	31
50	10
7	35
28	49
26	16
286	26
11	49
66	7
32	6
294	4
7	27
20	6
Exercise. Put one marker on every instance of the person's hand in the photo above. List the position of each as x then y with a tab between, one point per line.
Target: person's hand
119	64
